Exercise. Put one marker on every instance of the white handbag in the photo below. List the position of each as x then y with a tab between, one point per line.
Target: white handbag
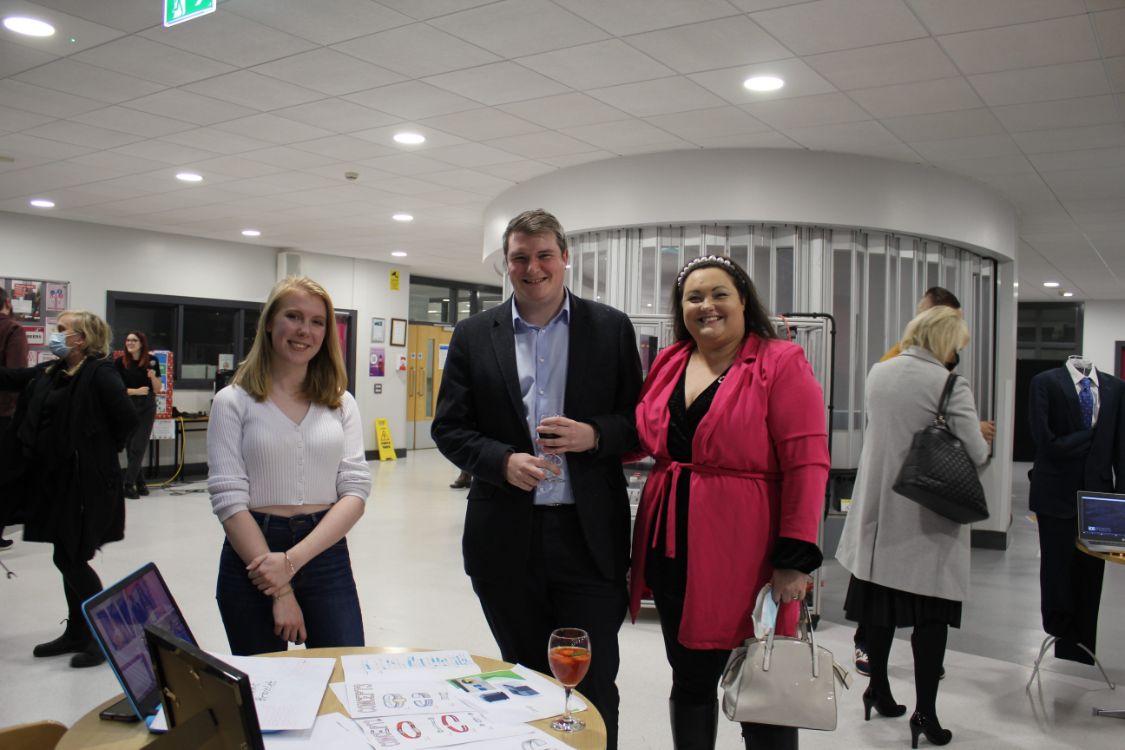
783	681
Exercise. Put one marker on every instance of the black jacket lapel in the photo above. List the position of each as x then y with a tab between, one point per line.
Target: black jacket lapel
504	345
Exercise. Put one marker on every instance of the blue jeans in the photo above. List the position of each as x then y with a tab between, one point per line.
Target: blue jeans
324	588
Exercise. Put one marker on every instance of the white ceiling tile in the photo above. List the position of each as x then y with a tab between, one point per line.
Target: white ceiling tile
1071	139
599	64
165	152
344	148
479	124
800	80
23	146
634	16
563	111
1022	189
142	58
518	171
338	115
1041	84
44	177
1086	184
884	65
1115	69
15	58
975	147
1110	28
829	25
472	155
944	125
328	71
1093	110
807	111
408	186
44	101
226	37
323	22
385	136
13	120
614	136
217	141
952	16
78	134
272	129
1054	42
89	81
123	15
236	167
413	100
722	43
252	90
288	158
1098	158
987	166
184	105
423	9
844	136
709	123
749	140
659	97
918	98
669	144
416	51
498	83
469	179
752	6
127	120
542	145
513	28
406	164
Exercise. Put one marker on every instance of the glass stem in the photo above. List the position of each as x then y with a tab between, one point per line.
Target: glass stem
566	705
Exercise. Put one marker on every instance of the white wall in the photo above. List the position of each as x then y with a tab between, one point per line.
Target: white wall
1103	325
96	259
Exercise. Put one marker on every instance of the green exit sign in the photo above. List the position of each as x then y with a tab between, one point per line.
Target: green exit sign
178	11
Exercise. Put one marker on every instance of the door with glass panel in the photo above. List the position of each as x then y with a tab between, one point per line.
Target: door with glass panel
427	348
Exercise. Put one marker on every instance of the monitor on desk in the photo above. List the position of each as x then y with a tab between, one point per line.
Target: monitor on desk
1101	521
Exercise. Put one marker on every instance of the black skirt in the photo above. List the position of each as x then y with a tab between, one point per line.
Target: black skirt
872	604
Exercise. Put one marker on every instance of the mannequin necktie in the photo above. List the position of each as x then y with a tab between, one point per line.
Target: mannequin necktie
1086	402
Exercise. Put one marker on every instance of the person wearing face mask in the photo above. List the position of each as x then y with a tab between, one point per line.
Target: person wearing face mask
141	373
72	419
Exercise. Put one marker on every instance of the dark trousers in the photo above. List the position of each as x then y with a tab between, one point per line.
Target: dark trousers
4	422
928	644
696	674
561	587
137	441
1070	585
324	588
80	582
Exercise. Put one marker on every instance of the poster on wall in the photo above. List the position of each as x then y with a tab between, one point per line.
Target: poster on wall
56	297
35	335
27	299
164	400
377	362
378	330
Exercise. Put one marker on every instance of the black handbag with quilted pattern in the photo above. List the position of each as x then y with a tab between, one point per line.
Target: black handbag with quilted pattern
938	474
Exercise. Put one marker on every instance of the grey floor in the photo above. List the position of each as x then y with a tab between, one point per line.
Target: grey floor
406	554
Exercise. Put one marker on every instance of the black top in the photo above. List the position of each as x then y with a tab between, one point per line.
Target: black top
137	377
682	423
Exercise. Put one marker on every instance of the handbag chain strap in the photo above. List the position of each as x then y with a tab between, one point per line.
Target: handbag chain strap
943	402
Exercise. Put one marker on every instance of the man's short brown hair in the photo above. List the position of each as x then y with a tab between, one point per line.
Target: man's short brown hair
941	297
536	221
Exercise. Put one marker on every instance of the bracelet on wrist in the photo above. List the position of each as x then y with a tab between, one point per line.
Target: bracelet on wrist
289	563
282	594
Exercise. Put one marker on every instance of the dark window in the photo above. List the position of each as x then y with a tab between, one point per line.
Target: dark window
441	301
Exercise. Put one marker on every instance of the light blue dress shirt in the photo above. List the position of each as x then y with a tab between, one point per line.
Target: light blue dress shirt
542	353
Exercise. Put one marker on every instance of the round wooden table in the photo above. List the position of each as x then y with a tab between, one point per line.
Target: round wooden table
91	732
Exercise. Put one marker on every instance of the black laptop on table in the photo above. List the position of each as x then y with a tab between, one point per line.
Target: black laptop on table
117	617
1101	521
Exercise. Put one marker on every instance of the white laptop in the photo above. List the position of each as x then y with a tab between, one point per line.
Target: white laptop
1101	521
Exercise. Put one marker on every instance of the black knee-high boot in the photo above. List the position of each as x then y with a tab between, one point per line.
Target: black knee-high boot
929	652
693	726
768	737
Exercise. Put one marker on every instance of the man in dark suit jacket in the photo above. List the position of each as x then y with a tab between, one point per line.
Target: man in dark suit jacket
545	546
1071	456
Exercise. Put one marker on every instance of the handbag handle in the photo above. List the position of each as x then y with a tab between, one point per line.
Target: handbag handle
804	633
943	402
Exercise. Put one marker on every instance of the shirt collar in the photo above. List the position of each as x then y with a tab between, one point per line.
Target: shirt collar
563	314
1076	374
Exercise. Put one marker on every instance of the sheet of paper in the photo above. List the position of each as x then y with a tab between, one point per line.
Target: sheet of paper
418	665
535	739
364	699
515	695
287	691
434	730
331	732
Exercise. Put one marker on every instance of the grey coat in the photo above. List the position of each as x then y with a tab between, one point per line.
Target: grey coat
888	539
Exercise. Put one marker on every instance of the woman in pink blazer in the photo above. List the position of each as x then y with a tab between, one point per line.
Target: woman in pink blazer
735	420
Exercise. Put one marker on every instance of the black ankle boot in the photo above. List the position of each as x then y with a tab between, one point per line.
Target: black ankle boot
694	726
131	492
929	726
883	702
67	643
142	489
768	737
90	656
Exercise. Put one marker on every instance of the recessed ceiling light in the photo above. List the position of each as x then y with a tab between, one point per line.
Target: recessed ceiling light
1068	294
1050	284
251	233
28	26
403	217
398	254
763	83
42	203
410	139
189	177
1016	284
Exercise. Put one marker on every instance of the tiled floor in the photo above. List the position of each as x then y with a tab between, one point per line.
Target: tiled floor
406	553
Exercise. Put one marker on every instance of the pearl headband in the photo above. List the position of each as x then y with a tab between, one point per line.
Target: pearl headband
691	264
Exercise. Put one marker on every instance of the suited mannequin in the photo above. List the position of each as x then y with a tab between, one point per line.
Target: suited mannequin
545	553
1071	455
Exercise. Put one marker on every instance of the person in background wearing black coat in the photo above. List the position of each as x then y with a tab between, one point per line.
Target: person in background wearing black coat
141	373
13	353
71	421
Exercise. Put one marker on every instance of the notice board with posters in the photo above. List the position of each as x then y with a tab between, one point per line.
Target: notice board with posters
36	304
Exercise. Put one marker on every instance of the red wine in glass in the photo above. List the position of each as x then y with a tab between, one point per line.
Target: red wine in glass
568	653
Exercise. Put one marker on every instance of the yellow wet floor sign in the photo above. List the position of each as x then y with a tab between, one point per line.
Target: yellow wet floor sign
383	438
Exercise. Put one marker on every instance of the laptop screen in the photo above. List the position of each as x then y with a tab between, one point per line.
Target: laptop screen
1101	518
117	617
